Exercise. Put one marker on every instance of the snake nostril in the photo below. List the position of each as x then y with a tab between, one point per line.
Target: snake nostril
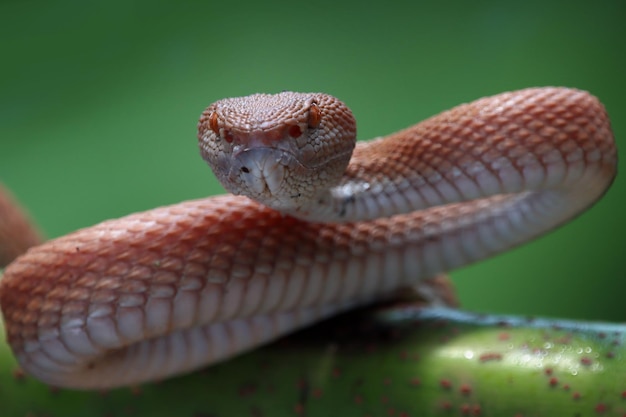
295	131
245	170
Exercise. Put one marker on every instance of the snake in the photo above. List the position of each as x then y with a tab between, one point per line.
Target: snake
316	224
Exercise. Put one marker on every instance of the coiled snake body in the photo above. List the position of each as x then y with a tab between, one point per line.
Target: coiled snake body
175	288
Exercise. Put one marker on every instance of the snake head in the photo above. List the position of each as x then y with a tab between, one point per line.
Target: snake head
283	150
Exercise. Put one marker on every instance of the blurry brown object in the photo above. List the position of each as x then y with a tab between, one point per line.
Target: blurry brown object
17	231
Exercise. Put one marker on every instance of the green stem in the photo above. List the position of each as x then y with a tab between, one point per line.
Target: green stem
394	361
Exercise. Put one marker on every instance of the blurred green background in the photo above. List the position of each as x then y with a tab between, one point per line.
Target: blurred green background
99	102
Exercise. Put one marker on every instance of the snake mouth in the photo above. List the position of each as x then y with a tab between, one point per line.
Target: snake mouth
286	180
266	174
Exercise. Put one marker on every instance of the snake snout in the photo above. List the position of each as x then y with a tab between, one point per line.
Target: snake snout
262	173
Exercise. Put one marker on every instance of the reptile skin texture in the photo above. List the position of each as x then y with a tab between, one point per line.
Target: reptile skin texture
175	288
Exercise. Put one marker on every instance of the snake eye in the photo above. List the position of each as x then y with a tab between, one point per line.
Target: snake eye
315	116
213	123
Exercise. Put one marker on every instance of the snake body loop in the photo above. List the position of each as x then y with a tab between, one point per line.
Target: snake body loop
175	288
